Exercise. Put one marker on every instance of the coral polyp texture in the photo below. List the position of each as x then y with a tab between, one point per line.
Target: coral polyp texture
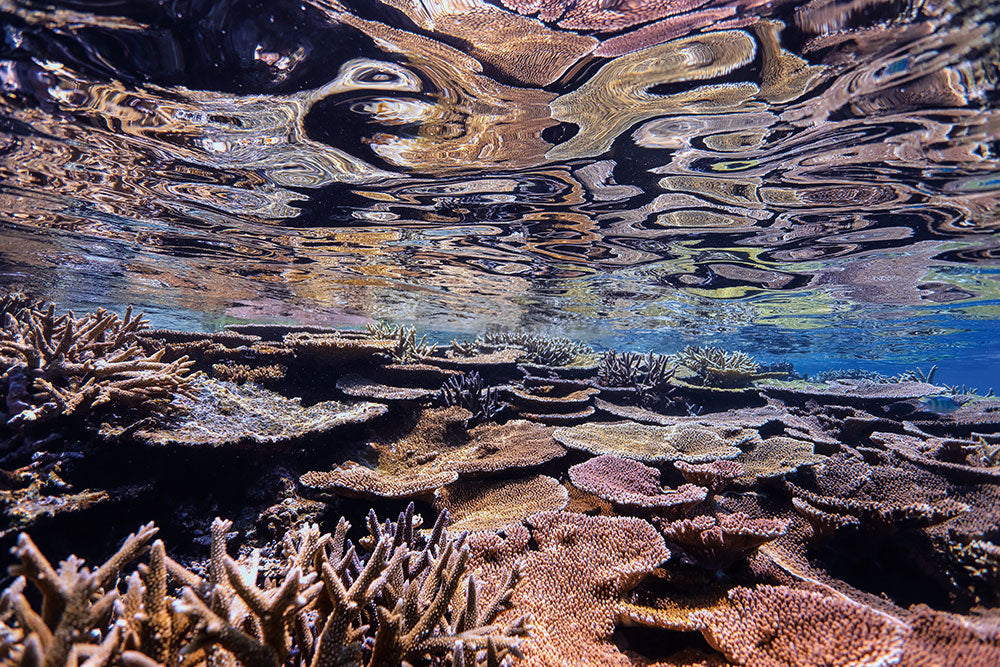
578	511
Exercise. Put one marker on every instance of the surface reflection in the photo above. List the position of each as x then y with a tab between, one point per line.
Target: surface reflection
592	167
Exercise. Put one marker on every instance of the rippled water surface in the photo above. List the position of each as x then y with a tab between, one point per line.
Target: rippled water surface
813	181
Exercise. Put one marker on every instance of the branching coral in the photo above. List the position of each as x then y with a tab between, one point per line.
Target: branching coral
72	366
410	599
645	372
470	392
541	350
715	367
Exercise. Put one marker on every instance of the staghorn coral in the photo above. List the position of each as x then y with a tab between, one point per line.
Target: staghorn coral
67	366
683	441
403	344
470	392
645	372
489	505
434	451
719	541
631	485
19	303
540	350
411	598
216	414
715	367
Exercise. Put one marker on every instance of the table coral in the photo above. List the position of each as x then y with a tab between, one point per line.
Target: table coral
718	541
588	565
773	457
683	441
628	484
715	476
217	414
776	625
489	505
435	449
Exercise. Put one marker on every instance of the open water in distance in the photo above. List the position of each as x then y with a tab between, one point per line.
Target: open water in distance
815	182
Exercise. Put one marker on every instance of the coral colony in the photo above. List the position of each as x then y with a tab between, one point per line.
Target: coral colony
555	506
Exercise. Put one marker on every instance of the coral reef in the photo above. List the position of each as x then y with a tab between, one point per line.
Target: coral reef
790	523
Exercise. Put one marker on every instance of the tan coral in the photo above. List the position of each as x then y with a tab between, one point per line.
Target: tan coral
434	451
225	414
574	582
715	476
718	541
322	605
489	505
683	441
773	457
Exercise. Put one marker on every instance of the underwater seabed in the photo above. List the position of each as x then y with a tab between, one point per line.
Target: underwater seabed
282	495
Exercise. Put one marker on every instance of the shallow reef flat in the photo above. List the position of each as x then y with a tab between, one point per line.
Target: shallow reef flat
547	504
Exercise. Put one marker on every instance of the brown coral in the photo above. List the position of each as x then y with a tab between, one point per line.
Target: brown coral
437	448
776	625
629	484
715	476
323	606
774	457
573	584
